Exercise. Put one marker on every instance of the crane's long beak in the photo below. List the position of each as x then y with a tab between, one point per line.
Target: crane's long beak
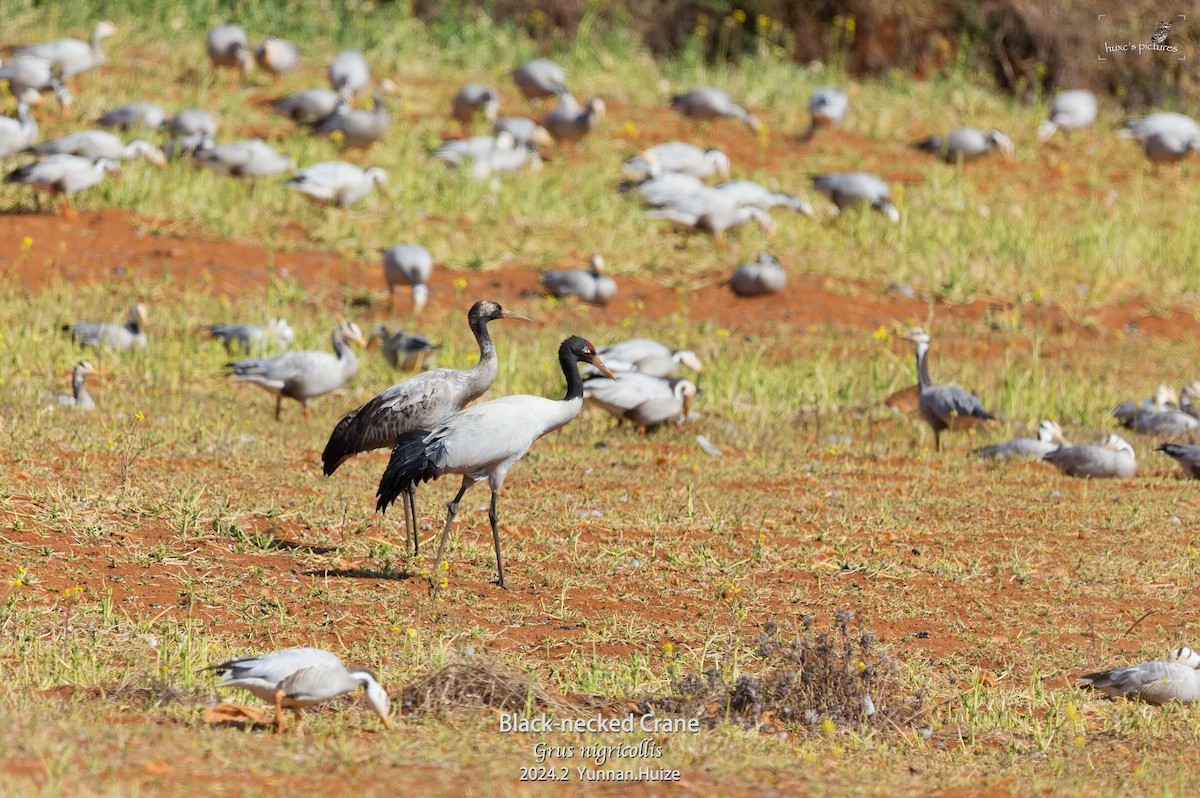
599	364
508	314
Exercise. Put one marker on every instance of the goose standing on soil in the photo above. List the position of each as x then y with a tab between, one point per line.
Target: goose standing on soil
1177	678
251	337
253	158
97	144
360	129
297	678
337	182
677	156
349	73
943	407
1186	454
745	192
64	175
587	285
131	115
310	106
411	265
1049	437
402	350
646	401
475	100
966	144
277	56
540	78
1115	459
306	374
72	56
109	335
78	398
1070	110
826	108
710	103
571	122
420	402
27	75
192	122
764	275
648	357
228	47
19	133
484	442
849	189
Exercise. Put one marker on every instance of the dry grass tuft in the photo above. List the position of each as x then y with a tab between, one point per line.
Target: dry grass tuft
809	682
465	685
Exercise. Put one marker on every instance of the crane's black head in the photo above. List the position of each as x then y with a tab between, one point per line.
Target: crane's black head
486	310
582	351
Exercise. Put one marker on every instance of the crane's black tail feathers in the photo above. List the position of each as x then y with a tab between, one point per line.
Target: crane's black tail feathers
409	465
338	450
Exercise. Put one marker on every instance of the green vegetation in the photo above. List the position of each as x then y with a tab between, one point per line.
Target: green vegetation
180	525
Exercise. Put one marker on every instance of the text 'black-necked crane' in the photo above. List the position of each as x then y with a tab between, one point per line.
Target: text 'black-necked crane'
485	441
421	402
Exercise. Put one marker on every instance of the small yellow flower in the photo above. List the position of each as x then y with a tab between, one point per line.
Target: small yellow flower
26	242
668	648
111	444
722	333
739	16
139	416
881	333
445	566
337	137
411	632
831	451
443	582
763	22
630	128
1038	293
460	284
828	727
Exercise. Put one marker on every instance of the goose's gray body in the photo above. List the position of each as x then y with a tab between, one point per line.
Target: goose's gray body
62	174
349	73
588	285
475	100
569	121
745	192
1049	437
125	337
253	158
1177	678
1186	454
277	56
359	128
644	400
1069	111
411	265
296	678
764	275
303	375
525	132
70	57
337	182
943	407
97	144
251	337
310	106
18	133
646	356
131	115
710	211
227	46
710	103
406	351
826	108
678	156
852	189
192	122
1114	460
966	144
540	78
29	74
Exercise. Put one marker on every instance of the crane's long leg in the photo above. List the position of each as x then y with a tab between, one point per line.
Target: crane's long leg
278	406
278	711
451	510
416	530
408	526
493	516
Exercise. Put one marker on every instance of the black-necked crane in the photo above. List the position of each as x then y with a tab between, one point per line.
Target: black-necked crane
420	402
485	441
944	407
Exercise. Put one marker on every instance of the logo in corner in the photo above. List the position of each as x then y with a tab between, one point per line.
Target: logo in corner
1161	33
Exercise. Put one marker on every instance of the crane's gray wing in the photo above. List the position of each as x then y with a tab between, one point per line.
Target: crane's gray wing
425	399
950	402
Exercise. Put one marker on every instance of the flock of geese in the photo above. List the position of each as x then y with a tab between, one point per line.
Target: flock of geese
428	420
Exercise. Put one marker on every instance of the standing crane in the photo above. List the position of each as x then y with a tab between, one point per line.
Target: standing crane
420	402
485	441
